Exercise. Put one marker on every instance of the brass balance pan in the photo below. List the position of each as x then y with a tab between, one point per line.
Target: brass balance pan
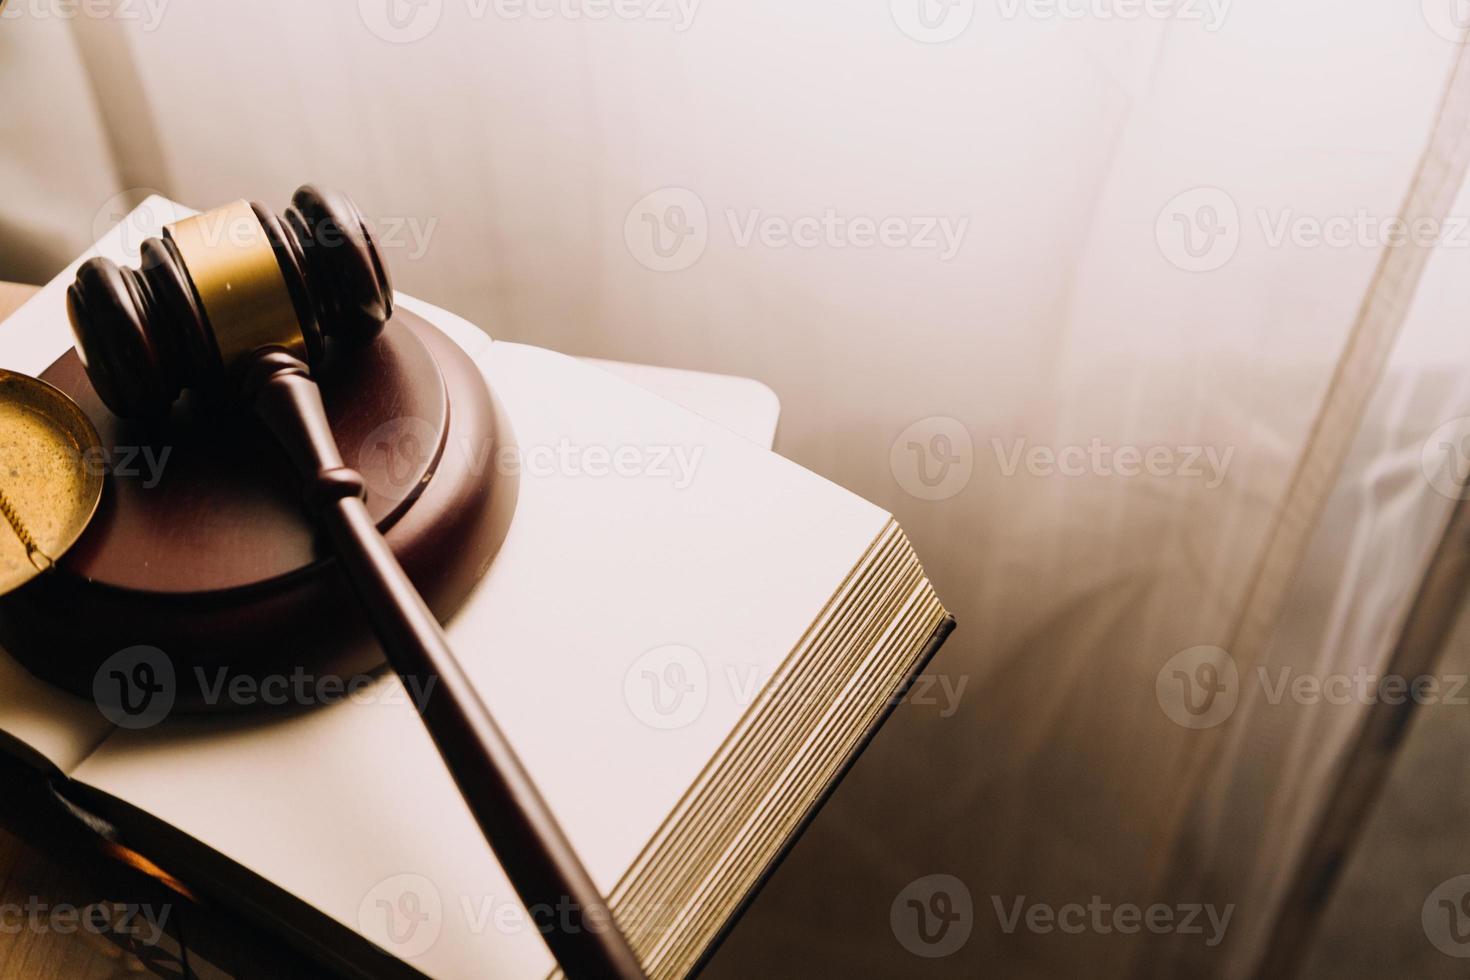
51	474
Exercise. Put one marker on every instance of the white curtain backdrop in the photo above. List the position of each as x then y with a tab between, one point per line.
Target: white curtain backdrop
1099	364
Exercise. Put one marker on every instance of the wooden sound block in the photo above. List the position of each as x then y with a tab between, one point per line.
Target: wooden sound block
202	549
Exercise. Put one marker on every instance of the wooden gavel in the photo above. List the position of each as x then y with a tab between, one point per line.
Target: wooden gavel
236	305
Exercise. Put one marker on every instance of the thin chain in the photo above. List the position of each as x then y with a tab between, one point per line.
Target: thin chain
39	558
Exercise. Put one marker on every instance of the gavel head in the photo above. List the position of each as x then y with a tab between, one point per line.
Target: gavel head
221	286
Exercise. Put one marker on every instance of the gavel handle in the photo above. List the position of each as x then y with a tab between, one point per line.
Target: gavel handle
516	822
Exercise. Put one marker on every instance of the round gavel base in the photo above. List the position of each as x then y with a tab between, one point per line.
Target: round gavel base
202	548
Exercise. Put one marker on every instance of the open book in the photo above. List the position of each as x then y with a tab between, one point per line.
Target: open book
685	658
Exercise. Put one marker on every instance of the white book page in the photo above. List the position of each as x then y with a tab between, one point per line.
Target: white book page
743	406
350	806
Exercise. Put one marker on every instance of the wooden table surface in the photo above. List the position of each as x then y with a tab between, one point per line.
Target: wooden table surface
13	294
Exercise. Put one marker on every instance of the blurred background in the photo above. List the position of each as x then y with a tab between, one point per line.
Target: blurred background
1144	317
